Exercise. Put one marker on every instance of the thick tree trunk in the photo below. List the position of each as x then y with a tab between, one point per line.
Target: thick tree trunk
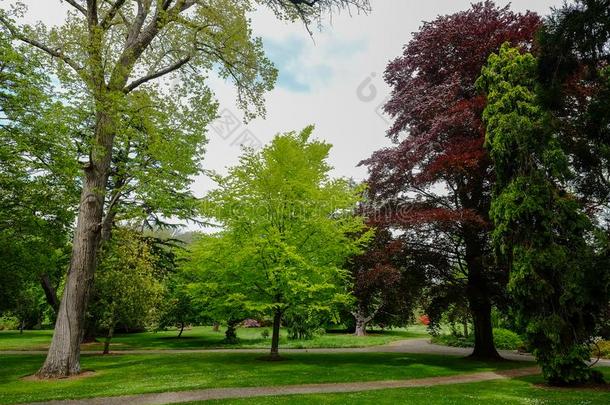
108	339
275	337
360	327
230	333
63	357
49	292
477	292
361	322
484	347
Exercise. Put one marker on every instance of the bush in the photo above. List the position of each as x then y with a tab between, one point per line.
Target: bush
251	323
9	323
265	334
504	339
507	339
604	349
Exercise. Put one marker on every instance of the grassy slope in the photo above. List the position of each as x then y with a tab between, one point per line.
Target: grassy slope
505	392
132	374
202	337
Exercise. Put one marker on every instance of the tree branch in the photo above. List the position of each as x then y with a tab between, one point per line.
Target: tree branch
56	53
77	6
175	66
112	12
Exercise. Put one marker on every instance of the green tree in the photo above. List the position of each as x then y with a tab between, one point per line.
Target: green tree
288	231
107	54
179	307
128	289
219	287
557	281
37	181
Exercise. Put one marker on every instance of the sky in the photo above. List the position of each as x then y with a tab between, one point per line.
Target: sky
333	80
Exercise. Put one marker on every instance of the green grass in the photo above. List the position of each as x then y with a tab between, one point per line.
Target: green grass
500	392
134	374
203	337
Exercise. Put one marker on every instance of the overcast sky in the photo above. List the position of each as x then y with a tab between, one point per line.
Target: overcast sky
333	81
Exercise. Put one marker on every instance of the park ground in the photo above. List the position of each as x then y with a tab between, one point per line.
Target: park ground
350	370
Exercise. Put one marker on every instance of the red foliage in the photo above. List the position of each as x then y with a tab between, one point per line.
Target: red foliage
435	183
424	320
434	102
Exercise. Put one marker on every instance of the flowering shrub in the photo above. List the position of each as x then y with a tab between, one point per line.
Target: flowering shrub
251	323
424	320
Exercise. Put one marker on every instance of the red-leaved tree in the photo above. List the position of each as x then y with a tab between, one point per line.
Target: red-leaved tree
385	287
438	166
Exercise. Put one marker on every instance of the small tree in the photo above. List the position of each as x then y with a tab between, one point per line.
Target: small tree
179	308
384	285
127	290
289	228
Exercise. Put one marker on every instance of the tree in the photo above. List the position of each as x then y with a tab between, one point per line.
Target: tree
288	230
218	285
107	55
179	307
384	285
127	287
435	184
558	280
575	87
37	188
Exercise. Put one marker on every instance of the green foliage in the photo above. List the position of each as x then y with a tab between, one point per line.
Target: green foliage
9	322
302	325
288	230
504	339
127	288
178	308
37	182
540	230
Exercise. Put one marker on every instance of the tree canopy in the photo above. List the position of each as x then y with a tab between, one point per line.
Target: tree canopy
288	230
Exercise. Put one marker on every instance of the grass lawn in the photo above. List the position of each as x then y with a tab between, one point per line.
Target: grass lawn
203	337
515	391
133	374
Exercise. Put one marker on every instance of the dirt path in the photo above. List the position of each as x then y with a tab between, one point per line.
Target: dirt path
227	393
422	345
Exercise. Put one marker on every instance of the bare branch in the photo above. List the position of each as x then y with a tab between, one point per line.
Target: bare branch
175	66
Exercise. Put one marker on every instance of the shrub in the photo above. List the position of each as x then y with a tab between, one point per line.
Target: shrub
9	323
251	323
265	334
604	349
504	339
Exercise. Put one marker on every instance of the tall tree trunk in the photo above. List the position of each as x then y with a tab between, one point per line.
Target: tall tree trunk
275	337
63	357
108	339
181	330
49	292
216	327
477	291
465	326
